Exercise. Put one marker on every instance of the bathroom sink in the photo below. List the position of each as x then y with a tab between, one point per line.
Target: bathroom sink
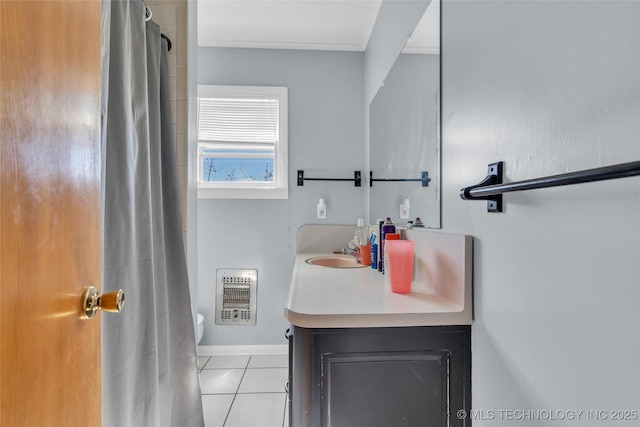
335	261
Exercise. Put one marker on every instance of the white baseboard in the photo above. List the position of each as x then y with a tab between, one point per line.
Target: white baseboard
229	350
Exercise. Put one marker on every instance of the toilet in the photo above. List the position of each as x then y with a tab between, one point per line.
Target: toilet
200	326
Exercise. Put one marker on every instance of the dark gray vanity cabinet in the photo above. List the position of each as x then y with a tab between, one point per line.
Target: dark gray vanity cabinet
380	377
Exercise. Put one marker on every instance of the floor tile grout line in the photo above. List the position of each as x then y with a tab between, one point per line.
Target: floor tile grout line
263	392
210	361
235	395
229	410
207	362
268	367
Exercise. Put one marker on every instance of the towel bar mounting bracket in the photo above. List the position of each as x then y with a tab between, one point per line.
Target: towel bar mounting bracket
494	176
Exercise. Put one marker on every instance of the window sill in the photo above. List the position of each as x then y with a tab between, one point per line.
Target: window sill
243	193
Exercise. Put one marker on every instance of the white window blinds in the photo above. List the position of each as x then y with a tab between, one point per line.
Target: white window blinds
238	120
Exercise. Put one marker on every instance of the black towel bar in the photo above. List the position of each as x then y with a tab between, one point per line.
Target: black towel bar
357	178
491	188
424	179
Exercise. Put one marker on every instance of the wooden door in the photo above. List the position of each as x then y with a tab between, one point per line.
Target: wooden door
49	212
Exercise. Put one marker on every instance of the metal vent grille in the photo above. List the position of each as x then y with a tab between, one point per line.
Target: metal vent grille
236	296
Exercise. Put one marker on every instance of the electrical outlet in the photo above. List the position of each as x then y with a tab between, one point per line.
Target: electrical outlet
404	212
404	209
321	210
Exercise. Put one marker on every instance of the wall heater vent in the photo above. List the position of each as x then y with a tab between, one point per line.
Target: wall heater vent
236	292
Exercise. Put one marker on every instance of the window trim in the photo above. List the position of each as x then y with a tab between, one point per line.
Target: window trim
279	188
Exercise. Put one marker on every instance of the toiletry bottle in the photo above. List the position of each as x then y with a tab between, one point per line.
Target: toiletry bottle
380	222
362	233
374	251
387	227
418	223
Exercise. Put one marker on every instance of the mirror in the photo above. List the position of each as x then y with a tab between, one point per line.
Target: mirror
404	129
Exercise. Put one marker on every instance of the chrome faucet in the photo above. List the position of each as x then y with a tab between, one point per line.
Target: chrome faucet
353	252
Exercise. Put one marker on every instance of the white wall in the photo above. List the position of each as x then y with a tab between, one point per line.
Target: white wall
548	87
326	139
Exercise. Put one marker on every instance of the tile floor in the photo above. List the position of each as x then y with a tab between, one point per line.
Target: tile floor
244	391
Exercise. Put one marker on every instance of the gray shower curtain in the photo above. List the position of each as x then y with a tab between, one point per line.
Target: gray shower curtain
149	361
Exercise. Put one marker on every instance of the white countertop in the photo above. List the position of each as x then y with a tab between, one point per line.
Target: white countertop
324	297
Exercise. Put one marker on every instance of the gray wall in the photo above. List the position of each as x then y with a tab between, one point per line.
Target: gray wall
326	139
548	87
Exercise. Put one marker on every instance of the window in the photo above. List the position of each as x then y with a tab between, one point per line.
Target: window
242	142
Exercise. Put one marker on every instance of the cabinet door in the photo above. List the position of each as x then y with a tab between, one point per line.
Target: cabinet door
386	377
382	389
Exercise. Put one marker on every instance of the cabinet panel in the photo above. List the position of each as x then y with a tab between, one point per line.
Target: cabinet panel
385	389
409	376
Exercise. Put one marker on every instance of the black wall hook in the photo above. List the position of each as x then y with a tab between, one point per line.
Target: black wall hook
168	42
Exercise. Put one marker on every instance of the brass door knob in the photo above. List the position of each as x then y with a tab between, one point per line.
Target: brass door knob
111	301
